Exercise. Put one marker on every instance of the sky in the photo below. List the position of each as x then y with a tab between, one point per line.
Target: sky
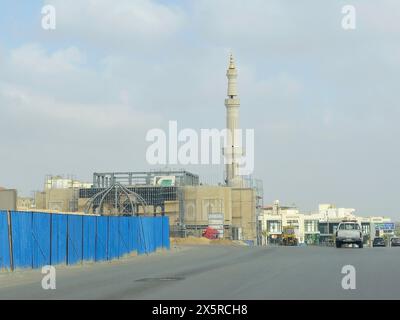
322	100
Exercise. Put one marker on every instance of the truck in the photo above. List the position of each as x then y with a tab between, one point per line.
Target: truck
289	236
349	232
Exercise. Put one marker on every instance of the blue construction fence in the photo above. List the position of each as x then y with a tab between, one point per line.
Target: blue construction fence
36	239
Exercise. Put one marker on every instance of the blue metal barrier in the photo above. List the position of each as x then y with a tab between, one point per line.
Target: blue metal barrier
39	238
22	244
101	251
58	238
89	238
4	242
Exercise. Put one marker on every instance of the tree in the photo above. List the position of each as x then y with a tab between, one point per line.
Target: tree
265	235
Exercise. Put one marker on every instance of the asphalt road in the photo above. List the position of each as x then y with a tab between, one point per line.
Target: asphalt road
221	272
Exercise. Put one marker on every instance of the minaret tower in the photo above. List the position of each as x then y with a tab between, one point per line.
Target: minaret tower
232	151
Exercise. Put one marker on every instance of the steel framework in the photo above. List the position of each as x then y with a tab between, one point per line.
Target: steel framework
116	200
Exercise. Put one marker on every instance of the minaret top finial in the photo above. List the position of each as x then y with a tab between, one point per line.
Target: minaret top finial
231	62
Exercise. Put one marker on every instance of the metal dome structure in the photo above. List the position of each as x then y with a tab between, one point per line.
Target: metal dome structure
116	200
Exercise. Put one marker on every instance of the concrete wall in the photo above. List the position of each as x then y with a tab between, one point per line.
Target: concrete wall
57	200
8	199
202	200
237	205
244	212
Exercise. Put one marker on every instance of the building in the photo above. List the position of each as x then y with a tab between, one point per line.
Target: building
59	194
275	217
8	199
189	205
319	227
25	203
233	151
230	207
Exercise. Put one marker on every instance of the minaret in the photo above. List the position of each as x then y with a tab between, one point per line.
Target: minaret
232	151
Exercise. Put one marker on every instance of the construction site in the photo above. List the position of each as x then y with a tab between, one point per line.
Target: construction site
230	209
191	206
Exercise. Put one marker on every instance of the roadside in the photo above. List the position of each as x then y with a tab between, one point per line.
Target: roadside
193	241
23	276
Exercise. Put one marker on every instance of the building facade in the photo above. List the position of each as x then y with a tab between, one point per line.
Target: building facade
318	228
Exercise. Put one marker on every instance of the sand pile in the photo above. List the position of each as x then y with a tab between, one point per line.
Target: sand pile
190	241
204	241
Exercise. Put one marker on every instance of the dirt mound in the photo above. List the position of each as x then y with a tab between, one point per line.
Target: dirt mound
204	241
190	241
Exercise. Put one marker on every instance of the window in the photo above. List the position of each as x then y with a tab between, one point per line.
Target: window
366	229
310	226
274	226
293	223
349	226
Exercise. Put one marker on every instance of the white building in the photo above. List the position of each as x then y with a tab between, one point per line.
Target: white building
275	217
58	182
318	227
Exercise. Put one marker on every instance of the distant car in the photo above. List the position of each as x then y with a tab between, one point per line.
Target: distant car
395	242
379	242
349	232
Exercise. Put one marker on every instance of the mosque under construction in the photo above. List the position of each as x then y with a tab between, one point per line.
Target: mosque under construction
231	207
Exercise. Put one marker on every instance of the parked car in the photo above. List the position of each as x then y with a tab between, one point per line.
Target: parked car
395	242
349	232
379	242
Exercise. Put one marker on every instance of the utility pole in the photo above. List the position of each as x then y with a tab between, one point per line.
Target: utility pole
327	222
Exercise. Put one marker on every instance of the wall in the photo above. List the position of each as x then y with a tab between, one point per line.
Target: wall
201	200
32	240
244	212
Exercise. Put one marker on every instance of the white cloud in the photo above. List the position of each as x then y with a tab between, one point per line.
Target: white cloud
121	23
33	58
113	69
87	116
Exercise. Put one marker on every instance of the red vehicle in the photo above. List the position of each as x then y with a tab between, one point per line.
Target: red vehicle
210	233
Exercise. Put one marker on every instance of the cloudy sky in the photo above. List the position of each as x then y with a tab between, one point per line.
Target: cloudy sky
323	101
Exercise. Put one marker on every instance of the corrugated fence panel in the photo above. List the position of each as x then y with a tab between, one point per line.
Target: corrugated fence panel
148	234
113	238
101	238
74	253
158	232
123	235
40	239
133	234
150	226
165	232
4	242
89	238
21	226
140	236
59	239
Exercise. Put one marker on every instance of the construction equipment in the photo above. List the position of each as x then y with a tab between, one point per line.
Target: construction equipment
289	236
210	233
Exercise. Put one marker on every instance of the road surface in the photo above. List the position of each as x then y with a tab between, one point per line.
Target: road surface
221	272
